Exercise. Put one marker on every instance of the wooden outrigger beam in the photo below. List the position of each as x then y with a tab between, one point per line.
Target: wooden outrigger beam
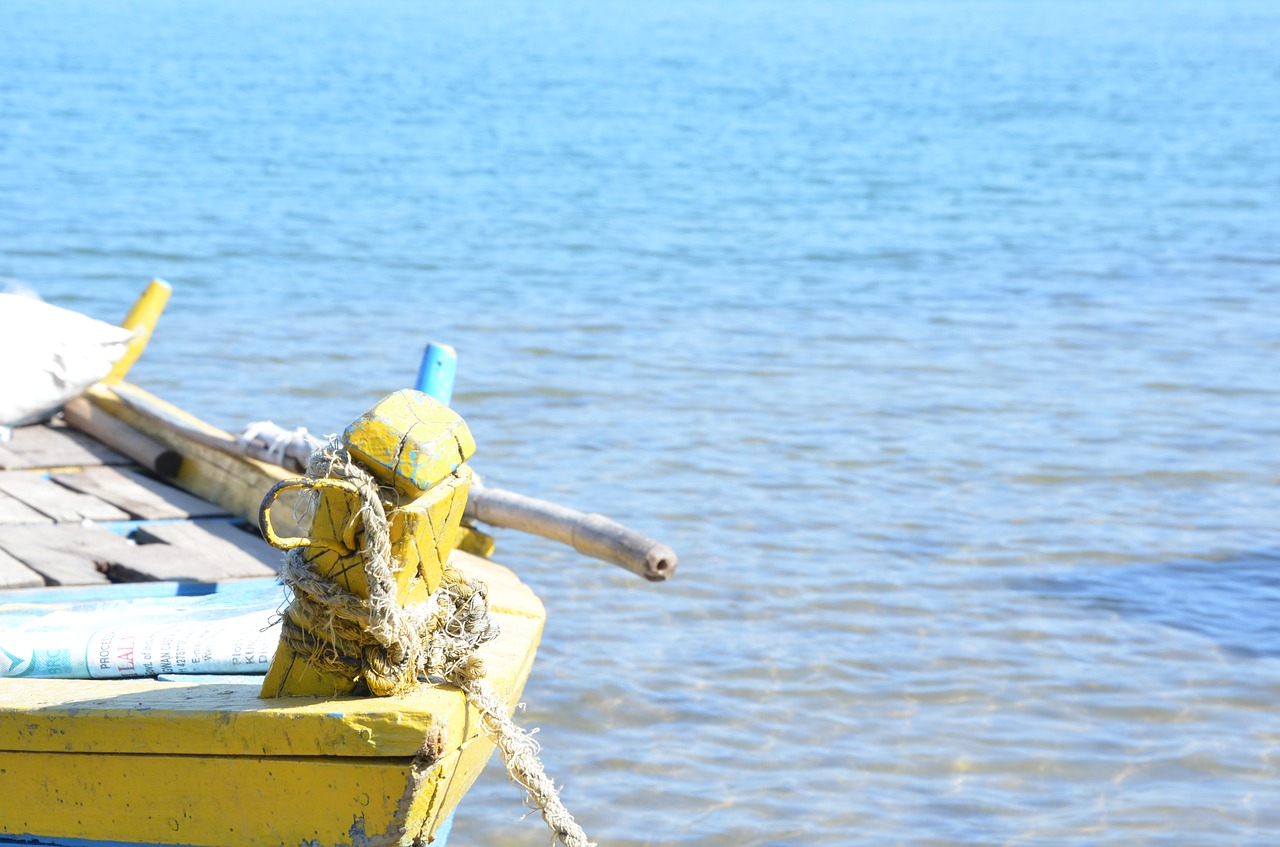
590	534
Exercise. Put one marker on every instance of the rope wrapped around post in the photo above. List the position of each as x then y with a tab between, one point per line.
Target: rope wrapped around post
390	645
347	623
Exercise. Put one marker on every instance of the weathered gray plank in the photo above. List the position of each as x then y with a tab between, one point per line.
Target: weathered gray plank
194	559
50	446
11	461
64	554
140	495
14	574
224	537
16	512
61	504
73	554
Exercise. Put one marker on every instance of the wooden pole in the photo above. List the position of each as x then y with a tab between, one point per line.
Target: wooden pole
590	534
118	435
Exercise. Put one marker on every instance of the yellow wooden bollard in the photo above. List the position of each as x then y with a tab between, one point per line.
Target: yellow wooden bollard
410	440
416	448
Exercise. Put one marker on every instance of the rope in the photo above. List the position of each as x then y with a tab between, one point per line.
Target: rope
520	754
269	442
392	646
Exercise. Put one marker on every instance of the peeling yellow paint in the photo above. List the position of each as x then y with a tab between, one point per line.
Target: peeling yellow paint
410	440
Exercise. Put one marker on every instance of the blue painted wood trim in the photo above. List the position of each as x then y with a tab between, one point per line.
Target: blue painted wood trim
129	591
437	373
28	840
441	840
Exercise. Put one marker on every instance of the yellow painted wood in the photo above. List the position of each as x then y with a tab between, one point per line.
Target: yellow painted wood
475	542
142	320
410	440
179	800
422	534
427	528
229	801
210	763
292	674
188	763
449	779
191	718
333	518
415	444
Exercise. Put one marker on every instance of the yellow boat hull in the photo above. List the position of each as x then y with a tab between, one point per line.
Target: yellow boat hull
207	762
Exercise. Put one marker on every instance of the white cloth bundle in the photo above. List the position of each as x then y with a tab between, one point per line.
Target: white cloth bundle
49	355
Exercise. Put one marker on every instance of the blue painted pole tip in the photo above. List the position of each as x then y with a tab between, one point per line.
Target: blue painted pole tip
438	371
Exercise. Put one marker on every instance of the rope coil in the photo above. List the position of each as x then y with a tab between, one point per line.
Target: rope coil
392	646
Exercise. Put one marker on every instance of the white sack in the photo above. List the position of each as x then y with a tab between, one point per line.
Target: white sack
49	355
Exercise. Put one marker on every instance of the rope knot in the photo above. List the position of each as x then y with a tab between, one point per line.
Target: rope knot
392	647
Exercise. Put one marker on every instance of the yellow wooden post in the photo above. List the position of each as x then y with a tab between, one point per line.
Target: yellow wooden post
417	447
142	320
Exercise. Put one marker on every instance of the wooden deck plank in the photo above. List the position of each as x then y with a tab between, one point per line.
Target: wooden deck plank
192	551
14	574
13	511
139	495
11	461
236	481
61	504
71	554
64	554
56	446
185	563
220	535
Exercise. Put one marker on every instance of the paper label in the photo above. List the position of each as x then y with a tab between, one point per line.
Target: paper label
213	634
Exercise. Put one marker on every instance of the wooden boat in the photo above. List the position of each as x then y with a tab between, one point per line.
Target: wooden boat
309	757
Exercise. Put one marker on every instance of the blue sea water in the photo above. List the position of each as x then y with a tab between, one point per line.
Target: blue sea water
939	338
